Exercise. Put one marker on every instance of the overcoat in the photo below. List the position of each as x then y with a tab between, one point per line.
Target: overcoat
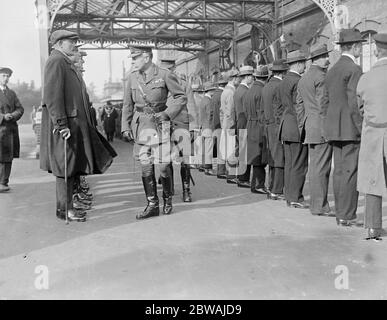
373	146
239	96
9	131
206	114
109	120
272	115
288	129
227	109
66	105
343	120
312	104
216	107
256	139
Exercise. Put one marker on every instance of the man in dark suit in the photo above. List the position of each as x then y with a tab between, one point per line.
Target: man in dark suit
11	111
312	104
296	153
272	122
343	125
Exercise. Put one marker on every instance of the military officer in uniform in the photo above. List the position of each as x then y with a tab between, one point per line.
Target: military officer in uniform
343	125
295	152
11	111
146	119
312	104
256	140
272	121
180	125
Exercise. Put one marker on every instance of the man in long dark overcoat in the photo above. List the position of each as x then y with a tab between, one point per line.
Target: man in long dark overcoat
295	152
256	139
66	119
272	122
11	111
343	125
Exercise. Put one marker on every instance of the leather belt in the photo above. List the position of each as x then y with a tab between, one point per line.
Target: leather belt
149	110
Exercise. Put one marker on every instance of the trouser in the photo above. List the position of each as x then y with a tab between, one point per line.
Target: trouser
110	136
276	180
207	148
296	167
373	211
319	170
246	175
259	177
345	155
5	172
61	193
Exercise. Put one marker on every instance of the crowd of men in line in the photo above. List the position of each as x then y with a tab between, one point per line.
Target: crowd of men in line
283	117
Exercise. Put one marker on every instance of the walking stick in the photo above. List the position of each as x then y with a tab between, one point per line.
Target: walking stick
65	172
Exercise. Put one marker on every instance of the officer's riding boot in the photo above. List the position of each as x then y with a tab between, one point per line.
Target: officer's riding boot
172	179
185	173
167	194
152	209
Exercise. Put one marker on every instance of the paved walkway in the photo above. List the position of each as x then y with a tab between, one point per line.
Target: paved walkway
227	244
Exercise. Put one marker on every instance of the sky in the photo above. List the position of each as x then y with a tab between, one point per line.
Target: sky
19	48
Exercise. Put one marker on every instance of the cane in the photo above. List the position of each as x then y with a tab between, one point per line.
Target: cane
65	172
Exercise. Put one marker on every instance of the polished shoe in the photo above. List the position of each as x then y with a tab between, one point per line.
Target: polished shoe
259	190
221	176
374	234
232	181
152	208
209	172
73	215
4	188
297	205
275	196
80	206
349	223
325	214
244	184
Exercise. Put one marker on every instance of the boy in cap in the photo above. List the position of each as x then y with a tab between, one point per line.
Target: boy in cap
11	111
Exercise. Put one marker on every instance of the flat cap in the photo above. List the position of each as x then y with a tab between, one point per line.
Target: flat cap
62	34
246	70
261	72
295	56
319	50
6	70
381	40
136	51
350	36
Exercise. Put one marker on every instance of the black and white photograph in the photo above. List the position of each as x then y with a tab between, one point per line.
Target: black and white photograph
201	153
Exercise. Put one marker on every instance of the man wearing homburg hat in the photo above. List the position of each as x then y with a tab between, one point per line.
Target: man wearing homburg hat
372	177
295	152
66	121
312	104
146	118
11	111
206	115
343	125
270	96
180	126
256	140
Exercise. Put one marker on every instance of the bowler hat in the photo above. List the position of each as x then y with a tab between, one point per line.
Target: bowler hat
246	70
208	86
279	65
62	34
347	36
261	72
319	50
381	40
136	51
6	70
295	56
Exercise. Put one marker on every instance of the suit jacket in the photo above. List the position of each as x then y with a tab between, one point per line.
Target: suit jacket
227	108
312	105
206	114
286	109
241	116
372	90
9	131
343	121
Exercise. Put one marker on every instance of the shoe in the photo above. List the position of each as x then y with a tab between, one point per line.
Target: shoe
221	176
243	184
259	190
167	194
4	188
80	206
152	208
209	172
275	196
232	181
325	214
185	173
72	215
349	223
374	234
297	205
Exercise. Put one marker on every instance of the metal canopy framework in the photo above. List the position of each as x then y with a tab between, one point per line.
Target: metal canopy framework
165	24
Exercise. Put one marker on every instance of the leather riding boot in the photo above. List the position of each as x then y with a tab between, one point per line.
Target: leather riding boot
152	208
185	173
167	194
172	179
